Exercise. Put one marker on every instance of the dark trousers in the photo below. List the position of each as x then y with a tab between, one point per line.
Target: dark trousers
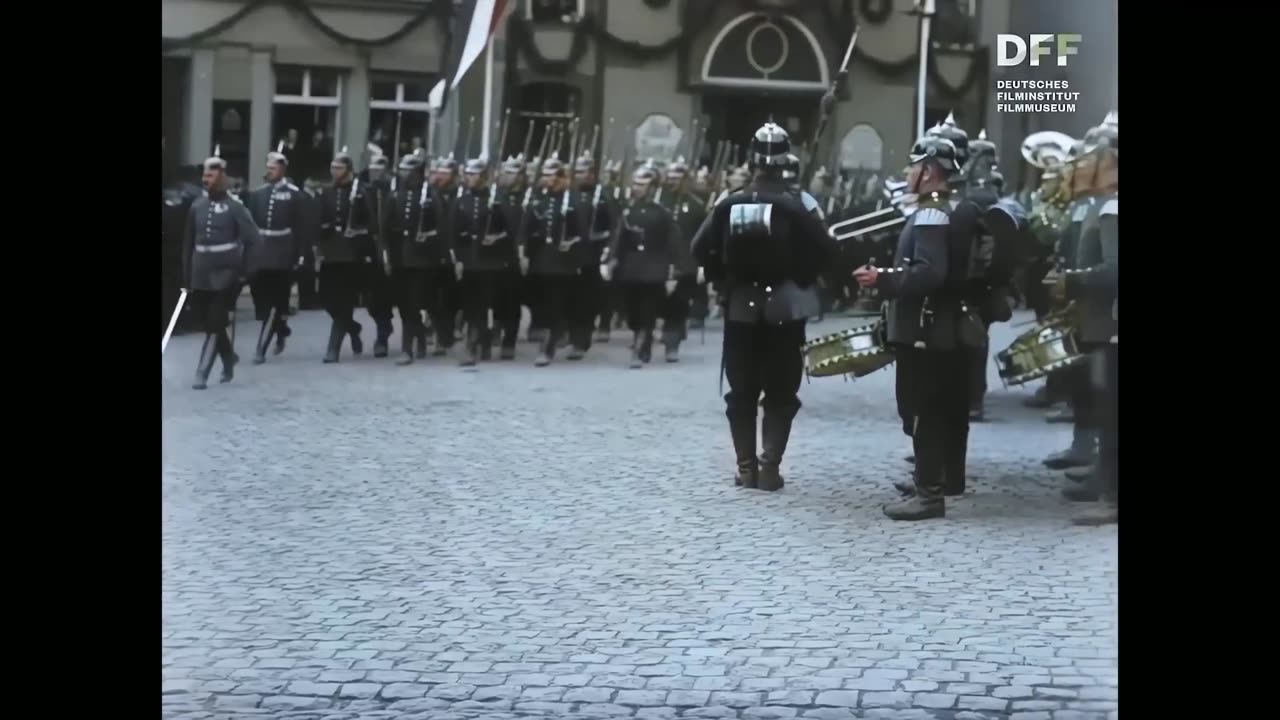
442	303
582	320
211	309
1106	374
612	301
496	292
642	303
380	296
763	359
340	285
1083	397
270	290
531	297
675	310
411	297
904	375
305	277
978	371
699	307
937	383
561	295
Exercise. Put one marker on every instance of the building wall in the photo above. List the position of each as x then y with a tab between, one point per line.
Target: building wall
634	90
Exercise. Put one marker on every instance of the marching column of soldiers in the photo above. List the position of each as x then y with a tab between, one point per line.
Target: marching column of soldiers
459	250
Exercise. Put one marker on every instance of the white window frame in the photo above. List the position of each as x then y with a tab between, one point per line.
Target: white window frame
528	9
306	98
400	103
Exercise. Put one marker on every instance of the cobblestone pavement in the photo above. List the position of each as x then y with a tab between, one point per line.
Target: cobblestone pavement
368	541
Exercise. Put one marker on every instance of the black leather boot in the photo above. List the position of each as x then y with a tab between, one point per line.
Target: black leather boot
742	428
420	345
406	349
336	334
282	331
546	351
646	345
1082	453
1040	399
357	345
906	487
470	348
486	345
928	501
775	430
264	338
229	357
205	364
381	341
954	464
637	361
671	342
508	351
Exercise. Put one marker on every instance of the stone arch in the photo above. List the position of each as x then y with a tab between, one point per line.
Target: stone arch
755	50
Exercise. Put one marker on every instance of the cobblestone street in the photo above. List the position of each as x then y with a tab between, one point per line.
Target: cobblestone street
361	540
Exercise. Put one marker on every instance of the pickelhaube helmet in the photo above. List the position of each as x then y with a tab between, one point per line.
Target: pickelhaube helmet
413	161
513	165
215	161
378	162
446	164
474	166
938	149
677	169
951	131
552	166
645	174
703	175
585	163
982	146
277	156
343	156
770	146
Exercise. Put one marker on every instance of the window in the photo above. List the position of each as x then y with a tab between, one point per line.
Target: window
540	104
553	11
305	117
399	114
954	23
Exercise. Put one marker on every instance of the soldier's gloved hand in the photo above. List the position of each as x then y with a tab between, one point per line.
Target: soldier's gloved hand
457	271
702	276
606	272
301	262
671	287
524	265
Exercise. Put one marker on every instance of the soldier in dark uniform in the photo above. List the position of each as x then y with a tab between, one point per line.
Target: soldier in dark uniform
379	290
643	255
765	253
219	238
1093	285
508	196
611	301
276	208
305	276
925	326
555	233
982	188
487	256
689	215
601	215
443	296
415	248
347	217
699	306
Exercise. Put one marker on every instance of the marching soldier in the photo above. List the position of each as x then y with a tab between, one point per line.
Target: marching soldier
689	215
379	290
442	282
512	182
924	317
1093	285
555	227
220	236
699	308
347	217
276	209
411	223
765	252
645	252
601	211
610	295
486	258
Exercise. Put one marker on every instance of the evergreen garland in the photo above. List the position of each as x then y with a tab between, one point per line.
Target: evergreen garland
441	10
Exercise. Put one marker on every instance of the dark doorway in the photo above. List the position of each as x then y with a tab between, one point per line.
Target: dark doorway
173	75
735	116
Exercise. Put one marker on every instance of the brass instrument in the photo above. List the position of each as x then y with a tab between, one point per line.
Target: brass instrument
900	202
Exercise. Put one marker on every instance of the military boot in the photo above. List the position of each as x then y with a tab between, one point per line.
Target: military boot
420	345
1082	453
1103	513
637	361
775	430
508	351
646	345
334	348
1064	414
928	501
264	338
1040	399
381	341
955	461
742	428
470	348
229	357
546	351
357	345
671	342
208	352
406	349
906	487
1079	475
486	344
282	331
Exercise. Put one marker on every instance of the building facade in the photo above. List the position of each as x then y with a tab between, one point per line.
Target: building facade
243	74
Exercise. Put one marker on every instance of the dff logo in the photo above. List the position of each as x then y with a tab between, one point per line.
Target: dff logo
1066	46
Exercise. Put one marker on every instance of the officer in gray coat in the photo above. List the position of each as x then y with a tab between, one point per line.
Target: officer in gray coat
220	237
277	210
764	251
926	328
645	255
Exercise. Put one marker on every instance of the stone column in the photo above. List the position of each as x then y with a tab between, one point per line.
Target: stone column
199	140
260	140
355	109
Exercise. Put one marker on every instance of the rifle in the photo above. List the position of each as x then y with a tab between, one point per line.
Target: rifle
565	204
826	107
528	194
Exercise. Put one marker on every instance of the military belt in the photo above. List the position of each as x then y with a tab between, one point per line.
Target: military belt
277	233
224	247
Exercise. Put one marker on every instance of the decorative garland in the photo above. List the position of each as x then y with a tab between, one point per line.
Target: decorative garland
441	10
520	36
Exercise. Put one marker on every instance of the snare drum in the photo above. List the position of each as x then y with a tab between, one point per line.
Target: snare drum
858	351
1044	349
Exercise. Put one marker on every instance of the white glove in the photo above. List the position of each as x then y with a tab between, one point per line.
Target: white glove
457	271
606	272
671	287
702	276
524	265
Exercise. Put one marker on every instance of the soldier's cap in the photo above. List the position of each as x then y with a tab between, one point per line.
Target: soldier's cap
278	156
474	166
343	156
215	161
446	164
412	161
584	163
949	130
552	166
378	161
677	169
982	146
770	145
936	148
645	174
512	165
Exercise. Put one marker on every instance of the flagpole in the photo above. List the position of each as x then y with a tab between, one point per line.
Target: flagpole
927	9
488	98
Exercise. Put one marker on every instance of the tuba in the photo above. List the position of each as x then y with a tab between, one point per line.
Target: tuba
1047	149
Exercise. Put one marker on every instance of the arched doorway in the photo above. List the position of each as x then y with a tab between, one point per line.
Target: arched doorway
758	67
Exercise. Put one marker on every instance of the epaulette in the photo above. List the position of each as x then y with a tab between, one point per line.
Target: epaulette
1080	213
1112	207
931	216
291	186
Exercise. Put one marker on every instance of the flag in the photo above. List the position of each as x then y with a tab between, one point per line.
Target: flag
477	21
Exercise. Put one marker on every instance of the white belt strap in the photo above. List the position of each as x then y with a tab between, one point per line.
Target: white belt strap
224	247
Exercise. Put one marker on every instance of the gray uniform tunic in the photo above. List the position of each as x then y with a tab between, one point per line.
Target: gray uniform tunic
220	237
923	260
277	211
1093	281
